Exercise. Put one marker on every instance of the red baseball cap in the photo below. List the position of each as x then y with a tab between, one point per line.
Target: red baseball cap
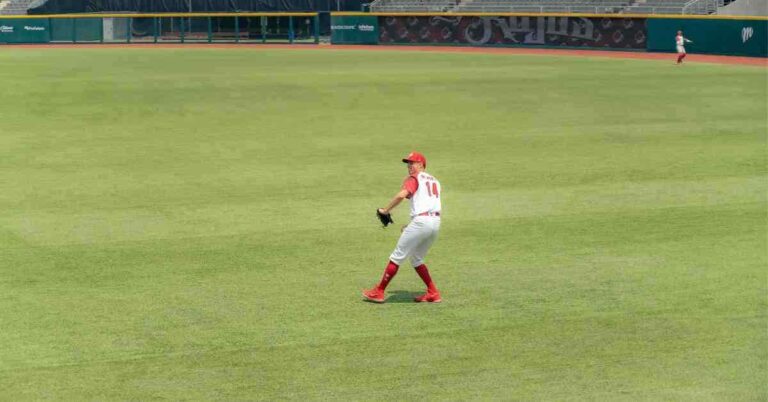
415	157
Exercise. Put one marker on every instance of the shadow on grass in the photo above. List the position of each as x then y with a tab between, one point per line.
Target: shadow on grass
402	296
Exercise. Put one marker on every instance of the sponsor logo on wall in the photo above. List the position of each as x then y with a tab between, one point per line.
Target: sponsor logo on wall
342	27
527	31
361	28
29	28
6	29
746	34
523	30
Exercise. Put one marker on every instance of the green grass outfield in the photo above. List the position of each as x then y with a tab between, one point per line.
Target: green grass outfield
198	224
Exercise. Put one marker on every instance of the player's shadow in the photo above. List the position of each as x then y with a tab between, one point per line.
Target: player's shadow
402	296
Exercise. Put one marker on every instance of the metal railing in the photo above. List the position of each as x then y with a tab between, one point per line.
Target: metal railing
546	9
701	6
412	5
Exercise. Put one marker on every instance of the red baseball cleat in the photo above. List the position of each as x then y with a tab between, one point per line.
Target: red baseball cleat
429	297
375	295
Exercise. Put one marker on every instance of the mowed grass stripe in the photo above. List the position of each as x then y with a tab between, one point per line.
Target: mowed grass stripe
115	224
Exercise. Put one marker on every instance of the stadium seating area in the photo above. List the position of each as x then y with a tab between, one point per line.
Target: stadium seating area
10	7
673	7
570	6
414	5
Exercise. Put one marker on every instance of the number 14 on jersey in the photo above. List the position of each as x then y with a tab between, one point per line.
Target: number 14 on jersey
432	189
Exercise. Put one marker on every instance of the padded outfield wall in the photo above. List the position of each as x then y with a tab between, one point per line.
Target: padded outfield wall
726	35
162	28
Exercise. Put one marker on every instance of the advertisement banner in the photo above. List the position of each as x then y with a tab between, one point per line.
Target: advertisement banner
711	36
354	30
592	32
35	30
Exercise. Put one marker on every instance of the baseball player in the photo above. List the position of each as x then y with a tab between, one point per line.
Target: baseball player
680	42
425	193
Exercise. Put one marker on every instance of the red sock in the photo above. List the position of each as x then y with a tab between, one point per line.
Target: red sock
424	274
680	58
389	273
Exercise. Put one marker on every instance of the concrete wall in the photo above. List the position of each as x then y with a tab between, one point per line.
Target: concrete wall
745	7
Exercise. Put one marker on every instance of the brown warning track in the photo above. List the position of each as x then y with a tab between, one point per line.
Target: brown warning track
692	58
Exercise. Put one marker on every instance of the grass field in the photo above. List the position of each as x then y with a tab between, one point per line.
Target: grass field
198	224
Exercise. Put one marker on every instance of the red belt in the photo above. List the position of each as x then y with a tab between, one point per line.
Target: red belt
429	214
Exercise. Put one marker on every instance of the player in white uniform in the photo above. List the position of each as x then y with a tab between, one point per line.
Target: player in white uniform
680	42
425	193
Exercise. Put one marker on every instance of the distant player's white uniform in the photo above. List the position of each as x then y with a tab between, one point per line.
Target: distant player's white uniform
418	236
680	42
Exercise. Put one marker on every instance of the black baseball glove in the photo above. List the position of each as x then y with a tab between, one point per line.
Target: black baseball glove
385	219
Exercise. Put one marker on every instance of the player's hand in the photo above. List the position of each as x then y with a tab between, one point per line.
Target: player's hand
384	217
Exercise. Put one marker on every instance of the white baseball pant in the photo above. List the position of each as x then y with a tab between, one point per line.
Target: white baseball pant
416	240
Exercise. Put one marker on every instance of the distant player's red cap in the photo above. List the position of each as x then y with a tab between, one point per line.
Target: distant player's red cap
415	157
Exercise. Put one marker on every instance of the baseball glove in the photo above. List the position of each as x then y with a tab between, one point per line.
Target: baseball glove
385	219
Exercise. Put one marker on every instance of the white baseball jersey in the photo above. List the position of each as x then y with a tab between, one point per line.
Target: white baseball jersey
680	42
416	239
426	198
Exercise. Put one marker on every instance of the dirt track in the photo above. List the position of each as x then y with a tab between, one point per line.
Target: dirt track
692	58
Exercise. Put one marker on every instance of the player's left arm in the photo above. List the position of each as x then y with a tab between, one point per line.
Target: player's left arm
399	197
687	40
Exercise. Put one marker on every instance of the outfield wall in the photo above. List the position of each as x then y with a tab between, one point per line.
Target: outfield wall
161	28
714	36
725	35
37	30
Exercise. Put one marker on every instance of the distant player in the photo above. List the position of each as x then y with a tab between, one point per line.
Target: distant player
425	192
680	42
